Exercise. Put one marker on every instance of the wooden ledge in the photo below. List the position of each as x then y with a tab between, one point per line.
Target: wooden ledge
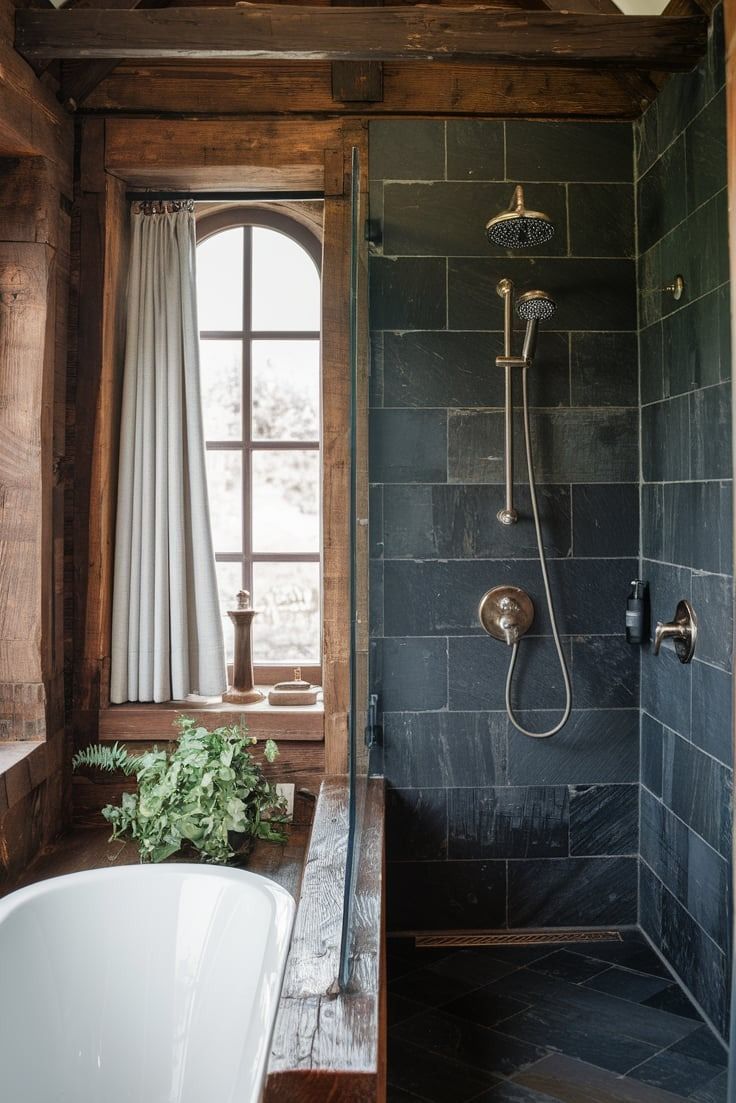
330	1045
23	766
147	722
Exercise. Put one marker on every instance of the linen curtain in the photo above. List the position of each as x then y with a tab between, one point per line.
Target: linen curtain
167	639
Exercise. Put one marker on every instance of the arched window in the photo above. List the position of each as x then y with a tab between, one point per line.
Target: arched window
258	288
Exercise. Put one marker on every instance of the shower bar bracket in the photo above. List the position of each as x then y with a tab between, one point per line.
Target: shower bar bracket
513	362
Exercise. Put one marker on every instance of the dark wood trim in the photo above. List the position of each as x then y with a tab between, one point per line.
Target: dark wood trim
279	32
329	1044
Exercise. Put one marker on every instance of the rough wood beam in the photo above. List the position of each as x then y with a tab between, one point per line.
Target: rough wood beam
31	121
43	64
79	78
265	88
272	32
637	85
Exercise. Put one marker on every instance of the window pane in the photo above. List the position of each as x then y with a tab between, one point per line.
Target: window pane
220	281
224	485
229	581
286	501
288	626
285	283
285	390
222	384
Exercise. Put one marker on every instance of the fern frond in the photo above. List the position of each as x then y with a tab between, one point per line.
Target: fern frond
101	757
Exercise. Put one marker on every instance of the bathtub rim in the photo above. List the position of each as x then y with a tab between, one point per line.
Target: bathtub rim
284	902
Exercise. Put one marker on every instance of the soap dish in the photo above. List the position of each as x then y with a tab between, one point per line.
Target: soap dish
297	692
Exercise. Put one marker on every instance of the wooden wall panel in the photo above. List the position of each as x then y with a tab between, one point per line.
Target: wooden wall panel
96	397
33	301
34	255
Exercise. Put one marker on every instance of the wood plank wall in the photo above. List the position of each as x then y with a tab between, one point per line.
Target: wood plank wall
36	155
35	186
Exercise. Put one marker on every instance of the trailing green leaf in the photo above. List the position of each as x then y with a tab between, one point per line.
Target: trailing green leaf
201	793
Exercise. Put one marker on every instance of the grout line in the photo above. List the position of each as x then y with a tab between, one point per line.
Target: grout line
444	138
683	394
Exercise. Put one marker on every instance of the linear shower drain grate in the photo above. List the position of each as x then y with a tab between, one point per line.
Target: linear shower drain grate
515	938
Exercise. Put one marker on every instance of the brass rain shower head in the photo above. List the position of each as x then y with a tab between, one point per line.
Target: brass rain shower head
518	228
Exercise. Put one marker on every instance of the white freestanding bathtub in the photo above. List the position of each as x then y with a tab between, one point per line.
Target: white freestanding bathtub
141	984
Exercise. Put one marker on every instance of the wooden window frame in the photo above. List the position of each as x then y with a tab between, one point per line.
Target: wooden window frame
214	155
210	224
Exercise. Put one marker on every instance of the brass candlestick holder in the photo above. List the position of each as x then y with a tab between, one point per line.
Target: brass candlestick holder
242	691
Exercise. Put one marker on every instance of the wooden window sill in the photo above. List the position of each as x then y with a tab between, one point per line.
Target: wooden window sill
150	721
23	766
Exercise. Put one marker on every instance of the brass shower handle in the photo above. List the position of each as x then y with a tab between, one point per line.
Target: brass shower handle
683	630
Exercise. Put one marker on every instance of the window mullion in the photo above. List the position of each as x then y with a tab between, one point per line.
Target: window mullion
247	411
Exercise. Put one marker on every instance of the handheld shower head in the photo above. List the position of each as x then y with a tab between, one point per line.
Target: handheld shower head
534	307
518	228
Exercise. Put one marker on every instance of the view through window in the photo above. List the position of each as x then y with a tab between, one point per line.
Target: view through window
259	317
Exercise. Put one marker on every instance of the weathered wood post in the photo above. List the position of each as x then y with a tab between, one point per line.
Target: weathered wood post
242	691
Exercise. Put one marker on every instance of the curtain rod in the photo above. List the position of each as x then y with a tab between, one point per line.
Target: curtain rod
221	196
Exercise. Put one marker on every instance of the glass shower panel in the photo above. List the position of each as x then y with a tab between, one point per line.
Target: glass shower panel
358	757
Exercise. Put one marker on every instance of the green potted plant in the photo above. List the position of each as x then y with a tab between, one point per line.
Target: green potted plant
207	792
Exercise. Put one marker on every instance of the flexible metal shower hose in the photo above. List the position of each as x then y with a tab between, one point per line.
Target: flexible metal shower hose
548	592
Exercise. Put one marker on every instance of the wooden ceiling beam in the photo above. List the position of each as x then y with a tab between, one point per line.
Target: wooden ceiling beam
79	78
282	32
639	85
265	88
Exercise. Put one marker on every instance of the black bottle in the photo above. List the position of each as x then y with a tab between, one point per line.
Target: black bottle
637	612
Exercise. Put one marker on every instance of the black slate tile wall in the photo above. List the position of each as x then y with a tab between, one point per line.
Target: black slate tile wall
486	827
686	766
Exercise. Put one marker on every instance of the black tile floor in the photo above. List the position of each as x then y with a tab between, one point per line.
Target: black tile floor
596	1022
